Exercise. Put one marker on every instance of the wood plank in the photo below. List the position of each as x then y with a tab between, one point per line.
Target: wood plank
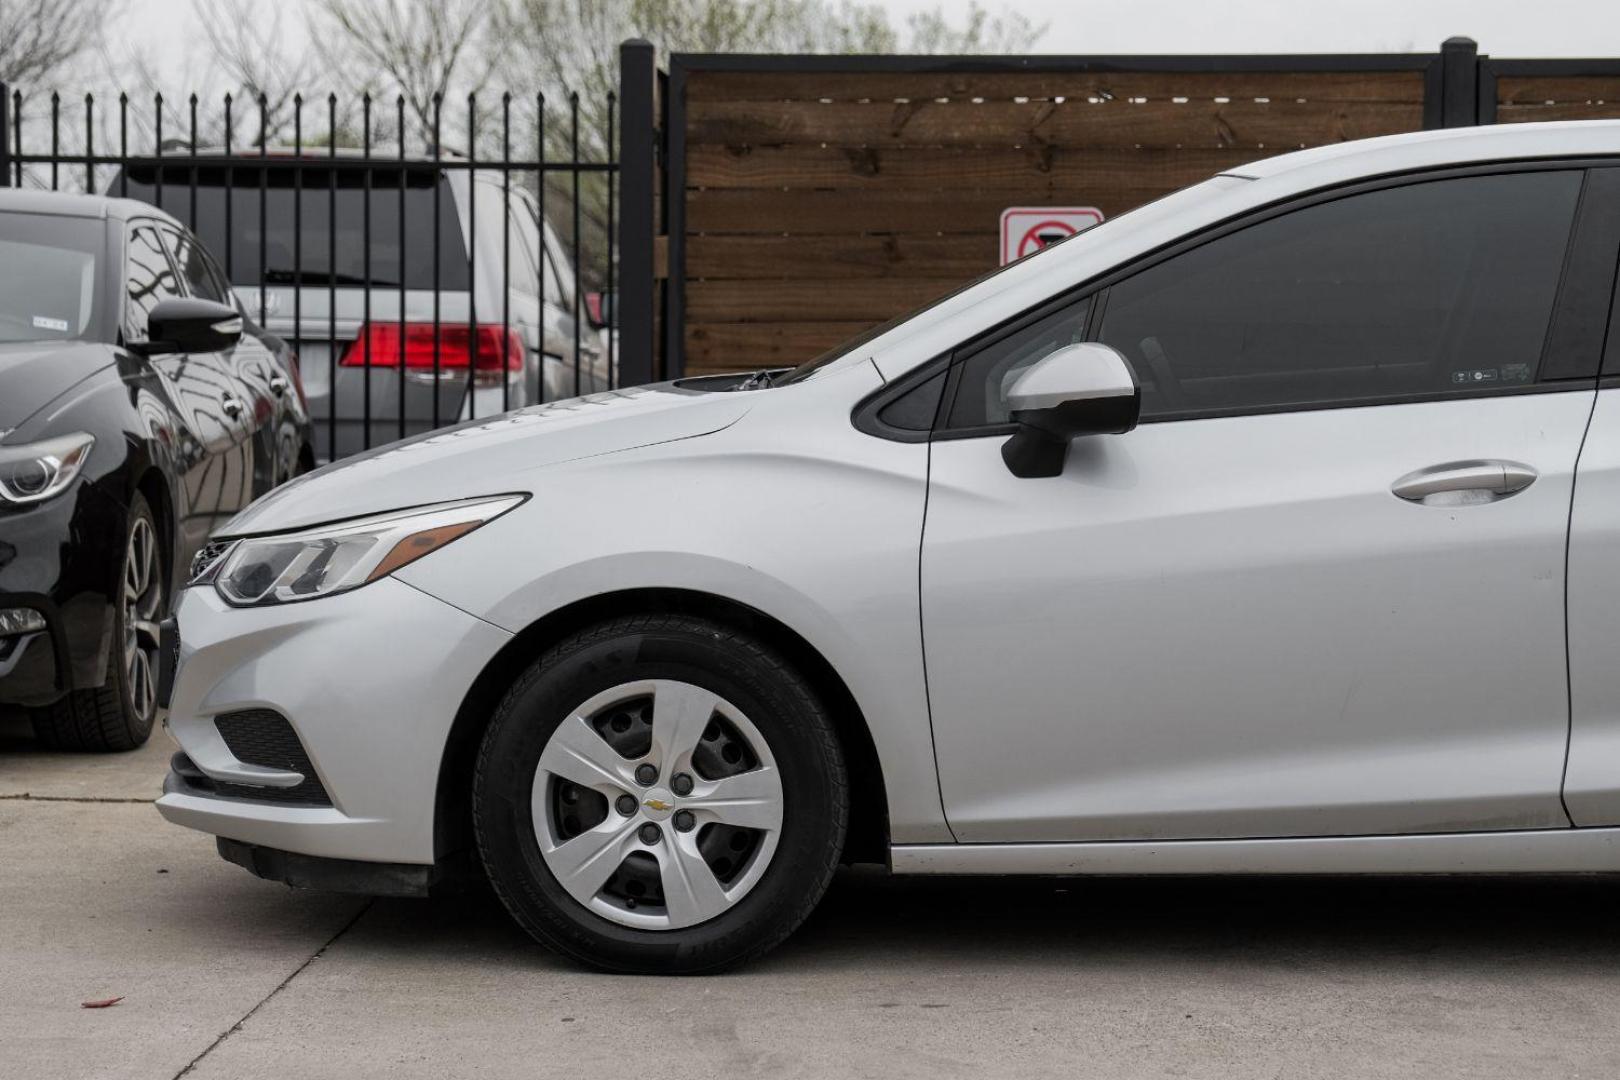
1536	89
848	256
1528	114
837	213
764	86
715	347
953	167
810	301
1275	126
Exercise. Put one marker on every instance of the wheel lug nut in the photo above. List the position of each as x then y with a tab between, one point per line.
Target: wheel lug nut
684	820
650	835
626	804
646	774
681	785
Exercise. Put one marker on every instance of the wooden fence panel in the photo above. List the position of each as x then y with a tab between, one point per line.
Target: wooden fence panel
1529	98
820	203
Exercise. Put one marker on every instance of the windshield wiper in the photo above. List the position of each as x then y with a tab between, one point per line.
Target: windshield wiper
281	275
759	380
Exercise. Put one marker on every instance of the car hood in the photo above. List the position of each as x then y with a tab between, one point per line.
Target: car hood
35	373
488	457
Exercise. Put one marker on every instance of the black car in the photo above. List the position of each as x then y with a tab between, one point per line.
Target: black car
139	410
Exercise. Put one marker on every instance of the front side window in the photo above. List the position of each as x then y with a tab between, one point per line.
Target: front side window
49	277
194	266
1432	288
988	374
149	279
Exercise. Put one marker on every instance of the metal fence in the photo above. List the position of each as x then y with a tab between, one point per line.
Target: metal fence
426	267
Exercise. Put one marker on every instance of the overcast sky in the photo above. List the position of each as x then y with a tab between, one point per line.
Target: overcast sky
165	28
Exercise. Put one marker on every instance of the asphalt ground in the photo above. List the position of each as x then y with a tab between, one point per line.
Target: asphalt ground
225	976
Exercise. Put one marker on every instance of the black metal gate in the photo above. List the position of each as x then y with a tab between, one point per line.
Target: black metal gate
426	268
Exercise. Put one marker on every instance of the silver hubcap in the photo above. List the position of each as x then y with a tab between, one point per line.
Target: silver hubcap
638	852
143	597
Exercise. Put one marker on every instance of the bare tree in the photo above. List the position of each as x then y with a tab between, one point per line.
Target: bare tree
426	50
251	52
38	38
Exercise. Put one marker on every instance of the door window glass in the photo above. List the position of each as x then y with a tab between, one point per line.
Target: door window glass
149	280
194	266
1437	287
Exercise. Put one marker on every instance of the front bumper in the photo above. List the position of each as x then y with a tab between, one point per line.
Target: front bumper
369	681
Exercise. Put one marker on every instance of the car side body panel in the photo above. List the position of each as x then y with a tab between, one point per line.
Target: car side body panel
814	525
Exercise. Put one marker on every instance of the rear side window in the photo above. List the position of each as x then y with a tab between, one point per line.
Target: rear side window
329	253
1436	287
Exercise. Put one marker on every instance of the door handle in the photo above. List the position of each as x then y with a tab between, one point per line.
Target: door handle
278	385
1459	482
232	407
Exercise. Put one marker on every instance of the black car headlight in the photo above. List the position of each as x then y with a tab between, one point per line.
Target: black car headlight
35	471
330	559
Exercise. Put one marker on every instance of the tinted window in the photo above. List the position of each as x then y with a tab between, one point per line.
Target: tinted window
1435	287
989	373
199	275
149	279
240	244
48	277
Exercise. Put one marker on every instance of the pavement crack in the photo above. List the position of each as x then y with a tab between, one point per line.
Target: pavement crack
26	796
279	987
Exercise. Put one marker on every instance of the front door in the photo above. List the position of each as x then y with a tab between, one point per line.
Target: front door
1319	591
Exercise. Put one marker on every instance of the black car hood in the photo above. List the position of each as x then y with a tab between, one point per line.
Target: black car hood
35	373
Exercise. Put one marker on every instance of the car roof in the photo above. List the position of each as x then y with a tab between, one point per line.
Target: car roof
1339	162
71	204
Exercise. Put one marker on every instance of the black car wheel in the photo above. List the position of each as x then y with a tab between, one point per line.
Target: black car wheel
660	794
119	714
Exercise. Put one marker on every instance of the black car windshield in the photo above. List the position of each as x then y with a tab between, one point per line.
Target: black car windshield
50	288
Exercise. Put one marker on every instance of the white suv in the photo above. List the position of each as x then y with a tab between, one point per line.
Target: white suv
1241	533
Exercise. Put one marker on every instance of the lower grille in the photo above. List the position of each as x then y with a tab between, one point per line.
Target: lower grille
263	737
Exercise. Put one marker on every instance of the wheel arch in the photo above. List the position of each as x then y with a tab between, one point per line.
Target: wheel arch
868	837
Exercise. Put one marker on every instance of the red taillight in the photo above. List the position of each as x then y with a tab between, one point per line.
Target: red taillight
487	349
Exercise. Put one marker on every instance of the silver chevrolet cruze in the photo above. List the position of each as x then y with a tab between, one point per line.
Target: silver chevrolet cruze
1269	528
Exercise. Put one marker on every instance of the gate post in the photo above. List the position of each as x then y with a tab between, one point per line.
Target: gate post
1459	82
5	135
635	304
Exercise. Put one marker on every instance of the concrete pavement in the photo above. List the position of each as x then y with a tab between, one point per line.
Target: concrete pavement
230	977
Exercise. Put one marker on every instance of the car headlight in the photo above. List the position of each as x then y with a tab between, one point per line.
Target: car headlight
335	558
36	471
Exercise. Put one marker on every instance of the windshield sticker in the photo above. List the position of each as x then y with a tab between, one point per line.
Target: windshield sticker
45	322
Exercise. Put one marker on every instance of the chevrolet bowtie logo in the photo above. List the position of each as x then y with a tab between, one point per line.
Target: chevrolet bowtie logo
659	805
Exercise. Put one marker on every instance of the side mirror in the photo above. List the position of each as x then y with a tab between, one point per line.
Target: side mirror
191	326
1085	389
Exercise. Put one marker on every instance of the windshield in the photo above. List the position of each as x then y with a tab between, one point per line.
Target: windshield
315	233
48	281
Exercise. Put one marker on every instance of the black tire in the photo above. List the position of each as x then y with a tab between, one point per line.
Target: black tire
746	673
104	719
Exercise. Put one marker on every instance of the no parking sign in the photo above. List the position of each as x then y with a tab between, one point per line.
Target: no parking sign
1027	229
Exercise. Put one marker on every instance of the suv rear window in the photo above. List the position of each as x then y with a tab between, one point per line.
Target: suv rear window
329	193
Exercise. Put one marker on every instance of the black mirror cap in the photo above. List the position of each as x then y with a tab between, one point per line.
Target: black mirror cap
1040	444
191	325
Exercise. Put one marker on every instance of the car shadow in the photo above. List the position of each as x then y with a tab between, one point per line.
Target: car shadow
1543	924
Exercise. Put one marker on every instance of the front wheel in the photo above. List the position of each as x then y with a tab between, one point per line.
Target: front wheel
118	715
660	794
